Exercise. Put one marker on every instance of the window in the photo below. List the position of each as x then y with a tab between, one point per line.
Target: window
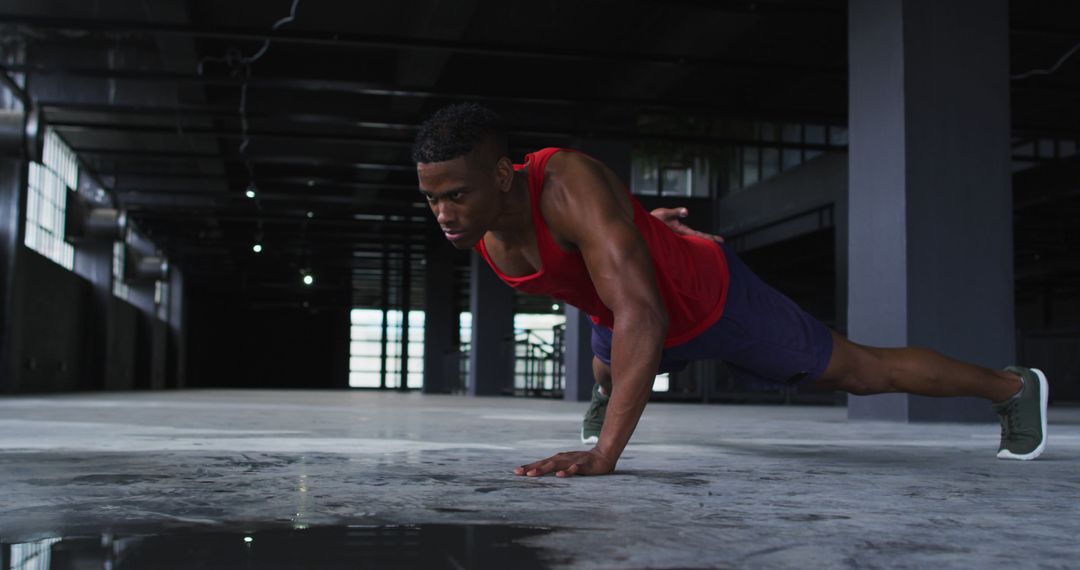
661	383
685	173
416	349
120	289
161	299
46	201
365	350
534	363
32	555
677	181
750	163
775	148
465	329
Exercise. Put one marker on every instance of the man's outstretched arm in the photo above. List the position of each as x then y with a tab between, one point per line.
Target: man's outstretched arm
584	210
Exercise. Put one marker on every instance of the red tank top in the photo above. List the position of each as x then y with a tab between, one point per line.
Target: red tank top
691	272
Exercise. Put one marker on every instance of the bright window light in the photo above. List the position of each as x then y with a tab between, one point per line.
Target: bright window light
120	289
366	348
46	200
32	555
661	383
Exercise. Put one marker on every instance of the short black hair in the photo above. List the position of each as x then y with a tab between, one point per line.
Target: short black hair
455	131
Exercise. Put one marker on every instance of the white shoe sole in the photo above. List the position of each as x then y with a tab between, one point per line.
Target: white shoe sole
1044	394
591	440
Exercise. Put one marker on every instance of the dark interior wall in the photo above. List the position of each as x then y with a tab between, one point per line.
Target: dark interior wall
68	335
51	320
158	353
121	345
175	339
233	342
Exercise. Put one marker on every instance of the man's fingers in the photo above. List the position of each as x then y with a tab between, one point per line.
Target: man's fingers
562	465
717	239
569	471
542	469
524	469
666	214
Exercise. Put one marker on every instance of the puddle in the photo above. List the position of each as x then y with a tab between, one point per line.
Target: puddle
422	546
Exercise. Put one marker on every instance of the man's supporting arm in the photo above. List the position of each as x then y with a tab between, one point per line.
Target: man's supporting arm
581	206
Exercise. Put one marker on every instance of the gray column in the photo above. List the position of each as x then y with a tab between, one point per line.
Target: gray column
491	354
578	356
930	224
12	202
441	319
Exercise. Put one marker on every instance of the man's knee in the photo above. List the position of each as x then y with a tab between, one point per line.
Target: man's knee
856	369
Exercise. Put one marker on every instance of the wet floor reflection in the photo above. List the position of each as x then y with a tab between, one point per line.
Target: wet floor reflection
423	546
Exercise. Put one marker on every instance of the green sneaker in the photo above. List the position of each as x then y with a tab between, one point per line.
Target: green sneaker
1023	417
594	417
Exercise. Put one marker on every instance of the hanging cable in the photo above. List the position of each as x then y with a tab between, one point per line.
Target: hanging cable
1050	70
233	56
277	24
242	65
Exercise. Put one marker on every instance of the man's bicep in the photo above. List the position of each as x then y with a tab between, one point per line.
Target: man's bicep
621	268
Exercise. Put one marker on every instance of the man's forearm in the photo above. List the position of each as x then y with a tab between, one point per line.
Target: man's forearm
637	342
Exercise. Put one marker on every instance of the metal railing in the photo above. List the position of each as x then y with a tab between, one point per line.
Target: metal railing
538	364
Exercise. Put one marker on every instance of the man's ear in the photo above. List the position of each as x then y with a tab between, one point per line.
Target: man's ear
504	174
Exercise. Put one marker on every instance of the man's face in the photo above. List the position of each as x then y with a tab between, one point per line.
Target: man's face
463	194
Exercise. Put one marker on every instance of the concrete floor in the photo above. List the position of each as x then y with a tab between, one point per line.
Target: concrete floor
699	486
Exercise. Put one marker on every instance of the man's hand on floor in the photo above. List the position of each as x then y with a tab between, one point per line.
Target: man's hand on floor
569	463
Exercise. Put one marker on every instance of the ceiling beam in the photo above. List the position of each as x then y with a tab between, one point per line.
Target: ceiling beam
373	89
338	40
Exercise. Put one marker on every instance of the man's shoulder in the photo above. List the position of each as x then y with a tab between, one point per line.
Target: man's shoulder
565	167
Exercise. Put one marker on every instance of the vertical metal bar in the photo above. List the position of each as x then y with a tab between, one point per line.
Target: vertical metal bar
406	300
385	306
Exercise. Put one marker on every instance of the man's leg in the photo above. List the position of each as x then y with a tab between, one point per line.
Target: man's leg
1019	394
865	370
602	373
594	416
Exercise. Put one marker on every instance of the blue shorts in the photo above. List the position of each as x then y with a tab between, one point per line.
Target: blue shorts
762	335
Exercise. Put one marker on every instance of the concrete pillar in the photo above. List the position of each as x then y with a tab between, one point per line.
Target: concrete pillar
178	331
441	319
12	202
578	356
930	254
491	355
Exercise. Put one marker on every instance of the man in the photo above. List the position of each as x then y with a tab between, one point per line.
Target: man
562	224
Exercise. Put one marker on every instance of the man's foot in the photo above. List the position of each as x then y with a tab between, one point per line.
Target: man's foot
1023	417
594	417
